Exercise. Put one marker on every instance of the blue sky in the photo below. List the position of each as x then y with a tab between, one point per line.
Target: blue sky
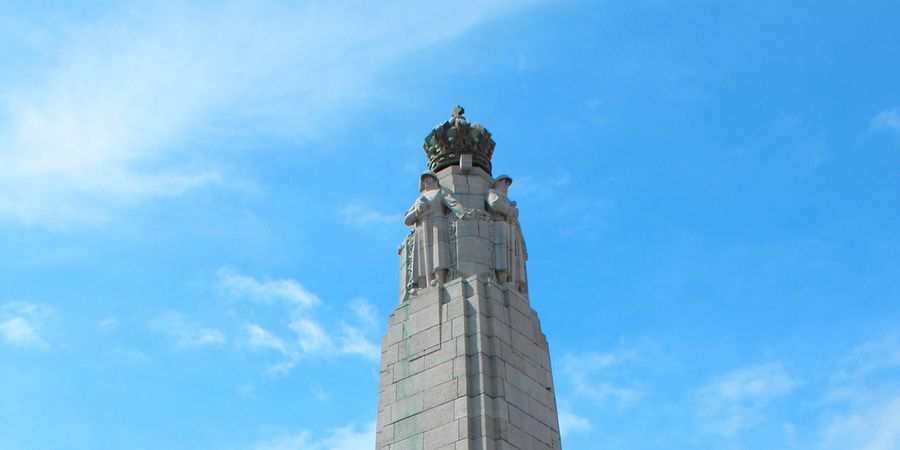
200	205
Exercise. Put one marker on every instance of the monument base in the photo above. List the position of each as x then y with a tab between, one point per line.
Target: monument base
465	366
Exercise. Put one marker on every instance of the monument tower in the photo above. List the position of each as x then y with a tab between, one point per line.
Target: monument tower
464	365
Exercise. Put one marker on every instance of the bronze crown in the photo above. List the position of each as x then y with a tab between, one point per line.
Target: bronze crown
455	137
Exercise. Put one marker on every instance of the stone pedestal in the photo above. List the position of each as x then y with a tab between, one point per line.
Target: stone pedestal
465	366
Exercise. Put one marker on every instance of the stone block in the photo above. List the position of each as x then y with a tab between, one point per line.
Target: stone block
518	302
474	248
499	329
442	436
474	201
424	341
385	416
444	353
400	314
525	346
440	394
455	290
446	331
458	327
408	367
463	425
438	416
532	388
467	228
521	323
388	356
424	297
416	442
407	407
460	345
455	308
425	380
424	318
408	427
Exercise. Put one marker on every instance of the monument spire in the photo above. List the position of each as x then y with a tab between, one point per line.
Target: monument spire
464	364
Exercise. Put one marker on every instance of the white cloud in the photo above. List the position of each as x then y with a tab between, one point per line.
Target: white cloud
572	423
360	214
886	120
20	325
737	400
261	338
877	428
353	342
364	312
104	113
604	376
310	336
187	334
872	357
864	398
20	333
108	324
240	286
344	438
302	335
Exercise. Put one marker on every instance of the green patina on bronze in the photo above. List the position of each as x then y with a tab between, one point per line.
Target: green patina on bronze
449	140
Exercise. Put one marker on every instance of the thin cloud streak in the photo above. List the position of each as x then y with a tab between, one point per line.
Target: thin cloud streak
239	286
187	334
737	400
21	323
886	120
362	215
570	423
118	115
349	437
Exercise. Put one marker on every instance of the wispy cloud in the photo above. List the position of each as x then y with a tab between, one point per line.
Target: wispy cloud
260	338
240	286
737	400
360	214
570	423
104	114
863	399
349	437
875	428
187	334
886	120
20	325
108	324
608	378
301	335
364	312
353	341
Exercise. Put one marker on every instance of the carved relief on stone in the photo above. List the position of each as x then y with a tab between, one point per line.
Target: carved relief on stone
430	217
407	252
510	253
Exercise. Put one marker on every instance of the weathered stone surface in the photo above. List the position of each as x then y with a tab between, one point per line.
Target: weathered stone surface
470	372
464	363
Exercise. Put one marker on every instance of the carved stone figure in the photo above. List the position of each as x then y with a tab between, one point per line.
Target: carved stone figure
429	215
510	253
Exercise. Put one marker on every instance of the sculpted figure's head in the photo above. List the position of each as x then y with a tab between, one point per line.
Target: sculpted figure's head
502	184
428	181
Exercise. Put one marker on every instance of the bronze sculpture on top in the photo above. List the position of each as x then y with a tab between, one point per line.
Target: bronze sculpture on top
461	152
450	140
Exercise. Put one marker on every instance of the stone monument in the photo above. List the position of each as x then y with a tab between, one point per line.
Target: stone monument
464	364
